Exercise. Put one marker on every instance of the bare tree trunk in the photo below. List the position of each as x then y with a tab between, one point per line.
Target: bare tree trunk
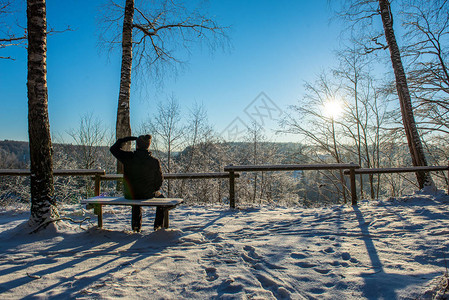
255	163
123	126
337	158
43	203
413	138
192	153
169	168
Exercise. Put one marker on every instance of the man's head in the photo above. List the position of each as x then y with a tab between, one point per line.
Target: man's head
143	142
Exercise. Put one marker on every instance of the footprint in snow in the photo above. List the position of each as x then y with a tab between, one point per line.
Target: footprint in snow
257	261
211	274
305	264
329	250
272	285
346	256
298	255
335	263
302	264
321	271
251	252
353	260
317	291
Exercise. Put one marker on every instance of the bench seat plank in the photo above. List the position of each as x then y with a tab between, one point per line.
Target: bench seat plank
124	201
97	202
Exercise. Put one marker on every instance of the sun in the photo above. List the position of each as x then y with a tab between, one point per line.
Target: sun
333	109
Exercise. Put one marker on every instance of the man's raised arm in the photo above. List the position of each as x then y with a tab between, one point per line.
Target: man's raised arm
116	148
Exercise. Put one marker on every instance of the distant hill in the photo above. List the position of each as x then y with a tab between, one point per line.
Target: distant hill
291	152
20	149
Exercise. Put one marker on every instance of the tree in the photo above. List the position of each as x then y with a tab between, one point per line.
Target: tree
123	125
90	136
89	139
408	119
316	120
167	132
154	35
427	25
351	69
363	14
198	134
43	203
198	138
365	110
255	137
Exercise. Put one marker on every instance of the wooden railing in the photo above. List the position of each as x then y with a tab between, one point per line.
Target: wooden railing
261	168
232	172
400	170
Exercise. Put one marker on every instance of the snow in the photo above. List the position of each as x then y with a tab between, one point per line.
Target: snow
390	249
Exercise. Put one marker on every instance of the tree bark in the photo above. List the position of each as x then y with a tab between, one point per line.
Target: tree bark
408	119
43	203
123	126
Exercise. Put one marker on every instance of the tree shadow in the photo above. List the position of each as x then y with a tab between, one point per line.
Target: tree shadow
87	256
380	284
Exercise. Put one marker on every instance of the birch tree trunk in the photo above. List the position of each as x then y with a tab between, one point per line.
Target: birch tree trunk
43	204
413	138
123	126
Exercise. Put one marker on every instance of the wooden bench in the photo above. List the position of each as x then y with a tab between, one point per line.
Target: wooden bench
97	204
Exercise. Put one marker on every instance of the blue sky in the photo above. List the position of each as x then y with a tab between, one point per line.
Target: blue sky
275	47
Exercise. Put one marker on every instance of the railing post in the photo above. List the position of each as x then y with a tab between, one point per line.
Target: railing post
353	186
97	185
231	188
98	210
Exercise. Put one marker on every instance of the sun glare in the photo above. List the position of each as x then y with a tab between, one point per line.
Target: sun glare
333	109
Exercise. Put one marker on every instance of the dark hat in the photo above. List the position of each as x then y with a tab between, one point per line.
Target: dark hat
143	141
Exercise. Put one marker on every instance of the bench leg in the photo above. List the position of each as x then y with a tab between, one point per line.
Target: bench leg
136	218
98	210
166	216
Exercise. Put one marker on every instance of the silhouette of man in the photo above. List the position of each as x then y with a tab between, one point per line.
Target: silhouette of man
142	177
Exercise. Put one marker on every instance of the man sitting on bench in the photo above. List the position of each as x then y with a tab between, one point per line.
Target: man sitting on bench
142	177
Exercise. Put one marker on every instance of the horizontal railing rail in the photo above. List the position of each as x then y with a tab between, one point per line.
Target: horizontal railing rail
61	172
289	167
351	167
401	170
209	175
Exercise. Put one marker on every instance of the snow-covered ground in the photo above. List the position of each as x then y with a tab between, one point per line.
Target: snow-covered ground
392	249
